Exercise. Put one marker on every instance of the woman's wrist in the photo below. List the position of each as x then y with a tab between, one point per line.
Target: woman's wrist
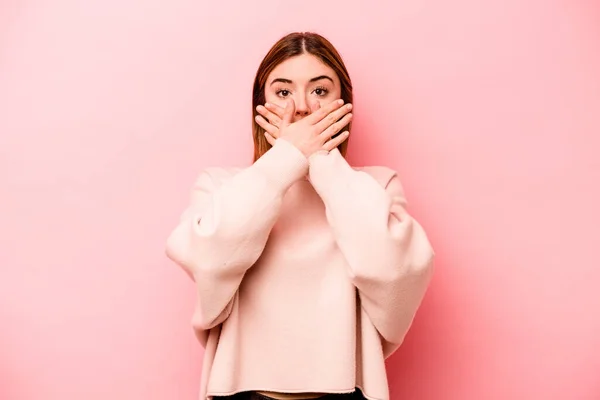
283	163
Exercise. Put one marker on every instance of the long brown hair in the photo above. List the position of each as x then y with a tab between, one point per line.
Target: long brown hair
295	44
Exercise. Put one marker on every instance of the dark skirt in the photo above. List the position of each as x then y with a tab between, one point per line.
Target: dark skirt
356	395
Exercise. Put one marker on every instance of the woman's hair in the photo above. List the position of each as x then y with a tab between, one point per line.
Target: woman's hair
289	46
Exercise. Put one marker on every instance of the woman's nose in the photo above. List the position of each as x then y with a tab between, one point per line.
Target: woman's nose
302	109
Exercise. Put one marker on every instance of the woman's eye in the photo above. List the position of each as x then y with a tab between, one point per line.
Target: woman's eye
320	92
283	93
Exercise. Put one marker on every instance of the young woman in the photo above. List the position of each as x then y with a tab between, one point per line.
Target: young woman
308	271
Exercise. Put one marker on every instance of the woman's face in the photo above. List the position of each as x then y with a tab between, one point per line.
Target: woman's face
306	80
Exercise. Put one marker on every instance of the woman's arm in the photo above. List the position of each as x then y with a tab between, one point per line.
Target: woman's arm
389	254
225	228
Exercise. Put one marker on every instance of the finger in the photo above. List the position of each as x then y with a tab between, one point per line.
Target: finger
263	123
271	117
324	111
316	106
335	142
333	117
336	127
270	138
288	114
275	109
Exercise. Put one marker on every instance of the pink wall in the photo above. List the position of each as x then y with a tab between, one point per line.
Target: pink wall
108	109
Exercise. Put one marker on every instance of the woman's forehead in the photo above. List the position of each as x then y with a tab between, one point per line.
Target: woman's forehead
301	69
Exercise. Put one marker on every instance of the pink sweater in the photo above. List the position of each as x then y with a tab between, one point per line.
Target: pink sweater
303	285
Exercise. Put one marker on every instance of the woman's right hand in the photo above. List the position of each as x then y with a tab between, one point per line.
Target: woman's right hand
314	132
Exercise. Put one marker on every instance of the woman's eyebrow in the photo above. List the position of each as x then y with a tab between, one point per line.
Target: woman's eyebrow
318	78
289	81
283	80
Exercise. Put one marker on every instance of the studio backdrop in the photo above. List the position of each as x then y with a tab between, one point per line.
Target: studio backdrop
489	110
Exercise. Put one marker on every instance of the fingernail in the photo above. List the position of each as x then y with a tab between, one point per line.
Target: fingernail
267	104
349	106
340	101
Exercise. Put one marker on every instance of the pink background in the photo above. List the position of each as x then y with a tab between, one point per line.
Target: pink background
489	110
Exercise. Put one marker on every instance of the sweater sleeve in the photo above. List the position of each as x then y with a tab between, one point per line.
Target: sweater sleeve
389	255
226	226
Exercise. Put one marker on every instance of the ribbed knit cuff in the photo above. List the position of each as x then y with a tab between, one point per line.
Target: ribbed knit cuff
283	164
328	170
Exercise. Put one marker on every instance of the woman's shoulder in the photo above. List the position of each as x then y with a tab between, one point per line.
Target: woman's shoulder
212	177
380	173
220	173
215	176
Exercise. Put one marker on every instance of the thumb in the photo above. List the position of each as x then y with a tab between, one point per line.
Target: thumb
288	112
